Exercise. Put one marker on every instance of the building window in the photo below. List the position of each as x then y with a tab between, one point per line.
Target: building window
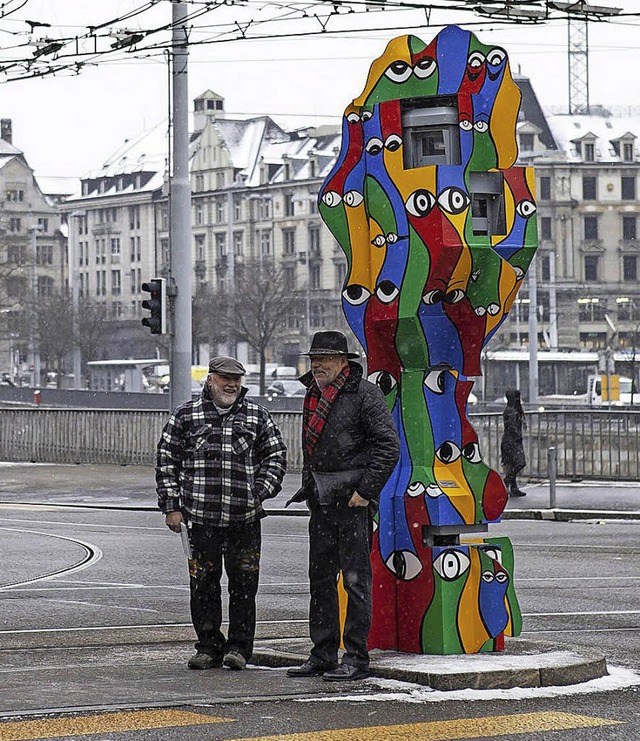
44	254
219	210
593	340
629	228
45	286
15	224
591	309
314	239
199	184
16	254
264	208
116	282
220	179
237	208
14	196
526	142
627	152
238	243
630	268
314	276
265	242
589	189
289	275
115	246
221	245
589	152
43	224
545	227
591	265
200	247
199	214
545	268
289	241
288	204
545	189
628	309
591	227
628	187
341	274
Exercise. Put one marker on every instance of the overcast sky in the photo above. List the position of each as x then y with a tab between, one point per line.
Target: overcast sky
69	124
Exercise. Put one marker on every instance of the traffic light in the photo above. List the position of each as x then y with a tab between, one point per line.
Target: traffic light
157	305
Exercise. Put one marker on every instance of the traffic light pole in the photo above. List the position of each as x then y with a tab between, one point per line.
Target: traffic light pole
180	214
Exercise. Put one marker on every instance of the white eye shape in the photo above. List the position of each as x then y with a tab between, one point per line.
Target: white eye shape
356	295
476	59
434	381
480	310
392	238
379	241
375	525
453	297
432	297
481	126
465	124
374	146
502	577
434	491
425	68
453	200
448	452
519	272
471	452
451	564
494	553
387	291
496	56
420	202
366	115
331	198
488	576
493	309
352	198
526	209
353	118
383	380
404	564
415	489
393	142
398	71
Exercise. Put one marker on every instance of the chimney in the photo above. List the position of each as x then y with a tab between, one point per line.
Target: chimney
5	130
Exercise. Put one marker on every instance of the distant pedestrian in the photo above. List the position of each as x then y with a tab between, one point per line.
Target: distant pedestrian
350	447
512	447
219	457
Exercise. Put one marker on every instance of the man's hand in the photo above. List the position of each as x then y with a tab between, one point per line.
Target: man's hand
173	520
358	501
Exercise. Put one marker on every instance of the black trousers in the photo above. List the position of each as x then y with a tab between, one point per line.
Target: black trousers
340	540
239	548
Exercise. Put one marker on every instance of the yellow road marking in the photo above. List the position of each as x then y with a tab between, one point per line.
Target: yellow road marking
107	723
451	730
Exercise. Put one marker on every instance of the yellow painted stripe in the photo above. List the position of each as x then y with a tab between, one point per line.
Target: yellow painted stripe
27	730
450	730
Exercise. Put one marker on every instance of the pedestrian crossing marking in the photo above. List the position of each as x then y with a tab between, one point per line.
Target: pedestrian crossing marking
27	730
451	730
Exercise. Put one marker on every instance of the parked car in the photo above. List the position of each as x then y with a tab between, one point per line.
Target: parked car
286	387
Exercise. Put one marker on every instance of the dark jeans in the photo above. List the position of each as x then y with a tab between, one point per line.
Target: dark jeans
239	547
340	540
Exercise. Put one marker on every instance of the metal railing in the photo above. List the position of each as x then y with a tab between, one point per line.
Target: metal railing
588	444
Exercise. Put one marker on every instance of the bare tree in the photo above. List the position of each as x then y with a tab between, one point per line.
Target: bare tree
56	336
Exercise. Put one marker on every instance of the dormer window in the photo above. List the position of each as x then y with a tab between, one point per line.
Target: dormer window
627	152
589	152
526	142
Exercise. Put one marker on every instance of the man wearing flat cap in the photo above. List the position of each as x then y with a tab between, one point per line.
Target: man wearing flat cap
219	457
350	448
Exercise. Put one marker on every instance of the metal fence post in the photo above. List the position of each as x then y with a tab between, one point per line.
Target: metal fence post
552	467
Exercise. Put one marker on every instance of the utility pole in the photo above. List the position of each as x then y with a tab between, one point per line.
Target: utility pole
180	226
533	334
34	335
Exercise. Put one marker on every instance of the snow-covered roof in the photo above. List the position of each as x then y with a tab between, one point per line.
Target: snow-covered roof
601	129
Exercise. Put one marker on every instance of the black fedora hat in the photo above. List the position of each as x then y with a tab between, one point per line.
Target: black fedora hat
330	342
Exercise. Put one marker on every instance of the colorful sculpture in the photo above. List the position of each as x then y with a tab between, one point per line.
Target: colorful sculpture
438	227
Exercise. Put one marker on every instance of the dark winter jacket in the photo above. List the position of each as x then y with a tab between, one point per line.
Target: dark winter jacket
511	447
359	438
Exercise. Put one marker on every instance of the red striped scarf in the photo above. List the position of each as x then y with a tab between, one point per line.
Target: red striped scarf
317	405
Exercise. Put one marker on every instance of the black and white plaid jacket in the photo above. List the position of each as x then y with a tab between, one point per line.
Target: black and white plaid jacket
218	469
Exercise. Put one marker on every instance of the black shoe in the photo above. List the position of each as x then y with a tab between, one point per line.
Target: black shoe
345	673
518	493
309	669
204	661
234	660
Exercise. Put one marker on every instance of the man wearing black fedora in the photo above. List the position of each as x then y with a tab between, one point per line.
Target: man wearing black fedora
350	447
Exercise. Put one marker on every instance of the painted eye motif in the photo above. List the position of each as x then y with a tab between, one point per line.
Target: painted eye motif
366	115
453	297
393	142
526	209
432	297
420	203
496	56
374	146
451	564
493	309
488	577
331	199
392	238
519	272
502	577
352	198
494	553
383	380
404	564
480	310
425	68
448	452
386	291
434	491
454	200
471	452
353	118
434	381
476	59
481	126
356	295
465	124
379	241
415	489
398	71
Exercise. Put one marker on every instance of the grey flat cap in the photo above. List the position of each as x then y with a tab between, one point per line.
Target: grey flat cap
222	364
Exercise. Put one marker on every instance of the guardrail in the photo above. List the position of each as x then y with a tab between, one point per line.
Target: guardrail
589	444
